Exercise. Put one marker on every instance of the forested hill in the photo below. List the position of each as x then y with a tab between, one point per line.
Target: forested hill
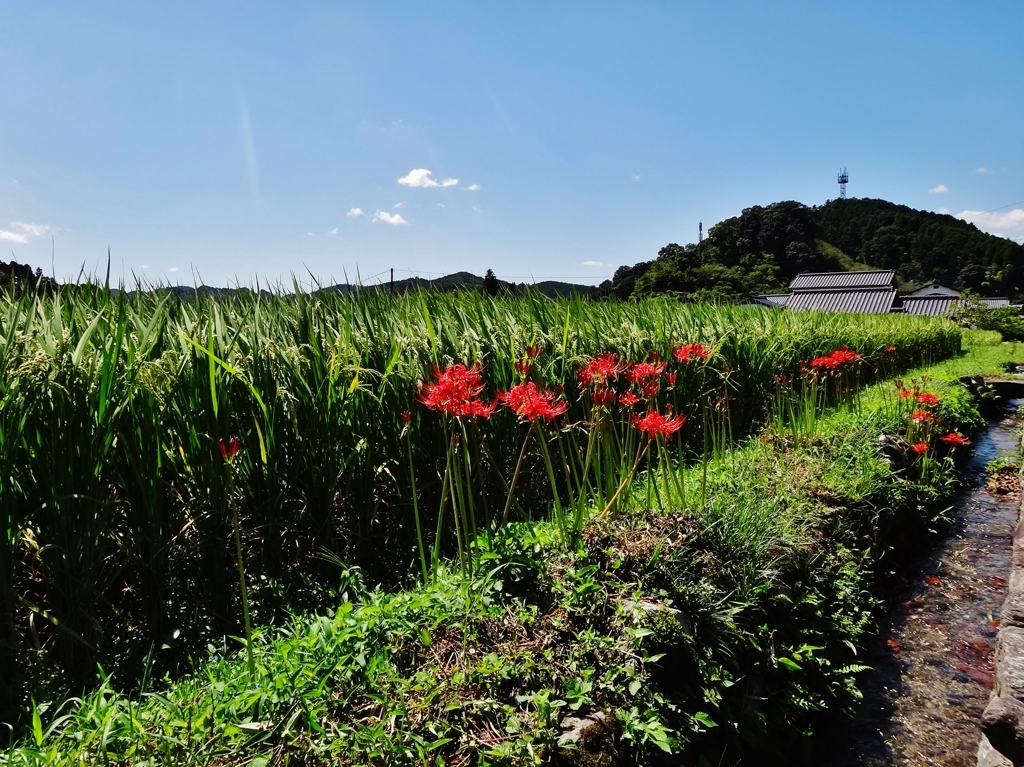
763	248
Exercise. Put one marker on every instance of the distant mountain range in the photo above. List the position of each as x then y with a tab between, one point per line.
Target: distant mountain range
22	276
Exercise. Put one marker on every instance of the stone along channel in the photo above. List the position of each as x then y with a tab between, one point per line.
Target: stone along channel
933	662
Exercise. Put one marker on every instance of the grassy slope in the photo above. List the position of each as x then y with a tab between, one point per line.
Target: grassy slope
775	571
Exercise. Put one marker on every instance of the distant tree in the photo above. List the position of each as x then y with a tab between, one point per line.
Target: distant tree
17	277
492	285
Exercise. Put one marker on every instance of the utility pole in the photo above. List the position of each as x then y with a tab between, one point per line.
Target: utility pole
392	280
700	242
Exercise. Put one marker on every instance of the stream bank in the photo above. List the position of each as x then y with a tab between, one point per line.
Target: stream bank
932	664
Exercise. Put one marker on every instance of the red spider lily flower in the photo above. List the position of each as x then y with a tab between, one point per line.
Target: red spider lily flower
650	388
654	424
726	369
653	356
844	355
603	397
455	392
533	352
904	393
629	399
921	416
406	417
644	370
691	352
531	403
919	447
599	370
927	398
835	359
955	439
523	366
890	348
671	378
229	449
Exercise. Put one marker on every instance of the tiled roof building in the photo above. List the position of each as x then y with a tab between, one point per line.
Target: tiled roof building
871	292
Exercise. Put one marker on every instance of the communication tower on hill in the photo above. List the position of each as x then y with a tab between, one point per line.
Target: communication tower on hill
843	179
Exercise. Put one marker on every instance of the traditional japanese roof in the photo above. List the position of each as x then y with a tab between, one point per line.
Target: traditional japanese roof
774	300
842	280
935	289
939	306
863	301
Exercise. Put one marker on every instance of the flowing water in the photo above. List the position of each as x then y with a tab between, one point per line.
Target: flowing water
932	664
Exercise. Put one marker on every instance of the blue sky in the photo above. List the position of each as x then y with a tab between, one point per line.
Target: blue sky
230	142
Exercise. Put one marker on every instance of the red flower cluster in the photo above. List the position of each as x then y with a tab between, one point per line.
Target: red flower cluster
905	393
919	447
955	439
646	375
654	423
670	378
921	416
835	360
531	403
927	398
629	399
691	352
597	371
642	372
456	392
603	397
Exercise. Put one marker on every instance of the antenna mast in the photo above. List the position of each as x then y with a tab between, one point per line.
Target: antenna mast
843	179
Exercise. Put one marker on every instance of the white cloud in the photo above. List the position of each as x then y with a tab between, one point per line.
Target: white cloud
354	212
420	177
473	187
940	189
333	232
174	269
1005	223
478	209
440	205
636	177
398	205
395	219
944	211
593	263
21	231
34	230
143	266
983	170
310	234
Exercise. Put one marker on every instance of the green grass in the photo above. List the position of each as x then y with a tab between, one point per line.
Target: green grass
776	561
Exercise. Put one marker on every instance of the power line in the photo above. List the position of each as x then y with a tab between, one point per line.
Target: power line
1019	202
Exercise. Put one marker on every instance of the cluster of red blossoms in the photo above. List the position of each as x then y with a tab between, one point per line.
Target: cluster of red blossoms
836	360
456	391
531	403
599	370
655	424
691	353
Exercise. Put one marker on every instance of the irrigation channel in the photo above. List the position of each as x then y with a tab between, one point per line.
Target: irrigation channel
931	665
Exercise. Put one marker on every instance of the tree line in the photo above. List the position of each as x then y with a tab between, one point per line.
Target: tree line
763	248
